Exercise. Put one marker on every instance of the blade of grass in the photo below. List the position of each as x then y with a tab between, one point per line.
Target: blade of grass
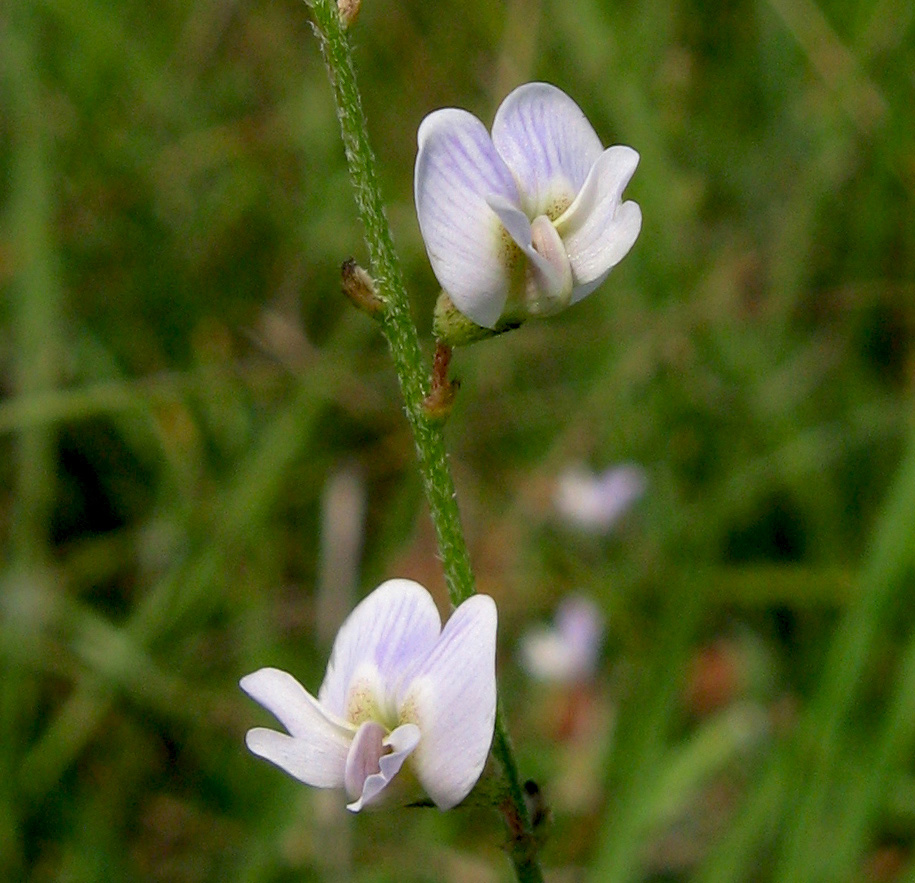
892	551
36	302
864	799
36	294
834	62
735	856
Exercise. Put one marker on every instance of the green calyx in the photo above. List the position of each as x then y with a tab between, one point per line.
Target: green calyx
452	327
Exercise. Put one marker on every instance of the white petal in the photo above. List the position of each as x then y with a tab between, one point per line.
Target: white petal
387	632
291	704
597	229
402	743
457	169
320	763
316	751
548	144
452	698
554	289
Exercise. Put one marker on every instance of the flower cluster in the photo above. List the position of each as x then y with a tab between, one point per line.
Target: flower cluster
529	220
398	688
520	223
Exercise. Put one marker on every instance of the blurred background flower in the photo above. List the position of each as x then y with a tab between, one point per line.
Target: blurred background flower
596	502
568	650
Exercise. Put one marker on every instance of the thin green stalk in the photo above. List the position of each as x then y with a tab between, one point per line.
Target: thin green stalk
397	323
866	796
400	332
35	291
35	304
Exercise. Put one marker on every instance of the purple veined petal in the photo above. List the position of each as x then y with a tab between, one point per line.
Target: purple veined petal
316	751
402	742
457	170
549	145
452	698
597	228
386	633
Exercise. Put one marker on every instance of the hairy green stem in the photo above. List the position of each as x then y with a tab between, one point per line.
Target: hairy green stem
400	332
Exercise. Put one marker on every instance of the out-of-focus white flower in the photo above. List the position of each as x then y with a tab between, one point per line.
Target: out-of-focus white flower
398	688
527	221
567	651
595	502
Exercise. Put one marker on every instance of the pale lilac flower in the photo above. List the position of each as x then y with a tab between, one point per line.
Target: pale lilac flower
595	502
527	221
398	688
566	652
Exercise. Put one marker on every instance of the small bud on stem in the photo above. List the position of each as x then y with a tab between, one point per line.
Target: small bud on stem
359	287
349	12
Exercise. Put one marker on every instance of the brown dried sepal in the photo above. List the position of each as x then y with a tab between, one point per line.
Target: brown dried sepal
439	402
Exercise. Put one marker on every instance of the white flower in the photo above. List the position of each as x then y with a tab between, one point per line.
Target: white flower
596	502
566	652
397	687
528	221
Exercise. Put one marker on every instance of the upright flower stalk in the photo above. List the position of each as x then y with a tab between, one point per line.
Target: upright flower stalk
400	332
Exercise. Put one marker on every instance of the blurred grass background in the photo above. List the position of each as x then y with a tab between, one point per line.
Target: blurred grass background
204	461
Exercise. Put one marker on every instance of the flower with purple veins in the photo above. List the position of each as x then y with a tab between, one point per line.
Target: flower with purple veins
399	689
529	220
